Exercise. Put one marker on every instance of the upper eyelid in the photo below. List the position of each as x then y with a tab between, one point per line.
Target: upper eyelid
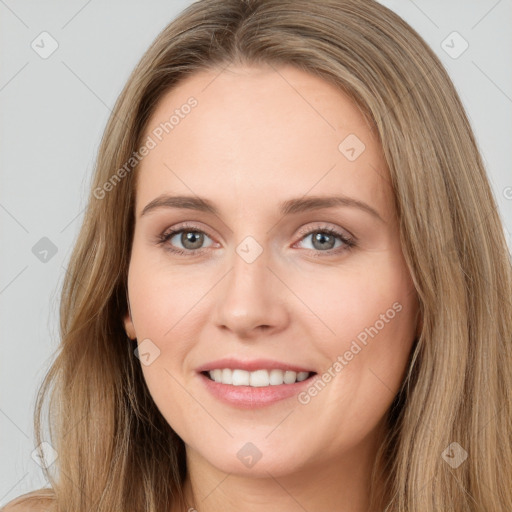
186	227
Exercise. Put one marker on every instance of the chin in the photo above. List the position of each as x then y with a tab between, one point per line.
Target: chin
258	460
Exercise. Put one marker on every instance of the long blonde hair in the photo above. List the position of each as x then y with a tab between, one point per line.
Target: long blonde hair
115	449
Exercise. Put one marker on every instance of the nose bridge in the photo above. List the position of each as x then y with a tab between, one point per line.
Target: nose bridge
249	274
249	297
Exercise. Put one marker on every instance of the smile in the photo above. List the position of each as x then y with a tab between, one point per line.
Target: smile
256	379
254	388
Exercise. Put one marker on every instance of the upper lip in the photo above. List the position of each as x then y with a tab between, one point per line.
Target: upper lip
251	365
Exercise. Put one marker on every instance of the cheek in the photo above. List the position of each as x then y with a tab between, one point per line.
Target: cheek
366	358
348	304
364	324
163	315
163	297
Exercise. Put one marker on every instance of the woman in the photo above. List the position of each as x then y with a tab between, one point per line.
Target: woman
291	289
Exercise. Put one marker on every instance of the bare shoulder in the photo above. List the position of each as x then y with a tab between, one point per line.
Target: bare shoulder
35	501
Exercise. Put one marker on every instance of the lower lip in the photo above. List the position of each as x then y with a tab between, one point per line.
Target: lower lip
248	397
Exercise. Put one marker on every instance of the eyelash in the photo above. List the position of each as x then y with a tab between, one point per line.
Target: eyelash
349	242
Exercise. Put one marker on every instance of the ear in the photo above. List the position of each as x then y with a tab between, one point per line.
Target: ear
128	324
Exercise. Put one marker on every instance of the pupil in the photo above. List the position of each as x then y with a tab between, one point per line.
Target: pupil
189	236
321	237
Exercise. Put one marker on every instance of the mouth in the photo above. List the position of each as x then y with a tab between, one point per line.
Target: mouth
255	386
256	379
254	383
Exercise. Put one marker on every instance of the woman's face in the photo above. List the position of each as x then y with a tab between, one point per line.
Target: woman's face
261	292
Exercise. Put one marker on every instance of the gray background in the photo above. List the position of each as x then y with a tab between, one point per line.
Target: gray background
54	111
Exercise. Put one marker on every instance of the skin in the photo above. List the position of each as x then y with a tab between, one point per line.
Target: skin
259	136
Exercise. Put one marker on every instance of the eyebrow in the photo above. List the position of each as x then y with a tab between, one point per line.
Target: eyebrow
288	207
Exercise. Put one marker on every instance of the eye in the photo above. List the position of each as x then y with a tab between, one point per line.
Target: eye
191	238
324	240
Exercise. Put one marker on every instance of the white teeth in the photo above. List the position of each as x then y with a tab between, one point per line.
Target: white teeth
227	376
276	377
240	378
302	376
290	377
258	378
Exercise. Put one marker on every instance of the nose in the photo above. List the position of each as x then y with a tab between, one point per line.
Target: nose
251	299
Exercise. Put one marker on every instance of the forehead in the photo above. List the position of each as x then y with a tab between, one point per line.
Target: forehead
259	133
